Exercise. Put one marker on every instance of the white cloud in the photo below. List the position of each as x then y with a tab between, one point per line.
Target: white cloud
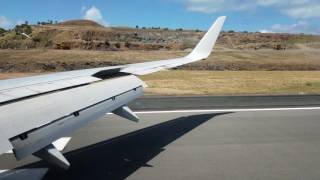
265	31
299	27
267	2
299	9
303	11
19	22
94	14
5	23
210	6
83	8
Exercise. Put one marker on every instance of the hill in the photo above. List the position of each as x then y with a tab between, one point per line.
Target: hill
81	23
89	35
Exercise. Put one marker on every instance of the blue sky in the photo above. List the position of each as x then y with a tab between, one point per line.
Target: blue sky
294	16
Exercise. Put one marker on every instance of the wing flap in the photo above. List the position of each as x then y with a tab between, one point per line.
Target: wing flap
16	118
43	87
5	145
57	114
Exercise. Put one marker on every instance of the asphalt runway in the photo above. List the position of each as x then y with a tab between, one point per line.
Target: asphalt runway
221	102
211	144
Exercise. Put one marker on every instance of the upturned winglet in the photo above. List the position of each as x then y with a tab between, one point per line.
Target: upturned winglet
200	52
206	44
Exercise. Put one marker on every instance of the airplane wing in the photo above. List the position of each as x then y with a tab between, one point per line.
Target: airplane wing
35	111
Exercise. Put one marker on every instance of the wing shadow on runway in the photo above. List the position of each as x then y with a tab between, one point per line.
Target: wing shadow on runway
119	157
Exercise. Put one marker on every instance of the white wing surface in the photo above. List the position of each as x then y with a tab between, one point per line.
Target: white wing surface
35	111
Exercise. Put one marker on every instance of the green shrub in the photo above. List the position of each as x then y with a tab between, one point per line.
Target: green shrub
2	31
23	28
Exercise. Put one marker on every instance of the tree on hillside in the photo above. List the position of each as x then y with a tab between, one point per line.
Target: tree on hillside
2	31
23	28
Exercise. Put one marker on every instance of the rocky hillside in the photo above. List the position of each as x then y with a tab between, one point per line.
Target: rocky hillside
88	35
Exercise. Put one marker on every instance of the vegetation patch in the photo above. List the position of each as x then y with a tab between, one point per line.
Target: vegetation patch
233	82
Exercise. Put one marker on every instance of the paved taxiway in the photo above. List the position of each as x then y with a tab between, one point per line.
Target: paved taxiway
268	144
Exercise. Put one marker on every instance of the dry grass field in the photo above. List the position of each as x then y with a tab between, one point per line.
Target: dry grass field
189	82
4	76
233	82
225	72
45	60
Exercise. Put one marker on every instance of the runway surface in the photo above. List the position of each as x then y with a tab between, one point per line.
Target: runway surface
277	143
220	102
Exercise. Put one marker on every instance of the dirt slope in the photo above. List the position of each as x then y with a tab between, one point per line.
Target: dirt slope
89	35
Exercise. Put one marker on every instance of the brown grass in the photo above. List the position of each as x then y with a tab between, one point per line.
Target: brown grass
59	60
224	82
233	82
246	60
260	60
15	75
253	79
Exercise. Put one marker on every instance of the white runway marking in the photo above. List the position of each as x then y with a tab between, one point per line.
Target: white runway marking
3	170
60	144
226	110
